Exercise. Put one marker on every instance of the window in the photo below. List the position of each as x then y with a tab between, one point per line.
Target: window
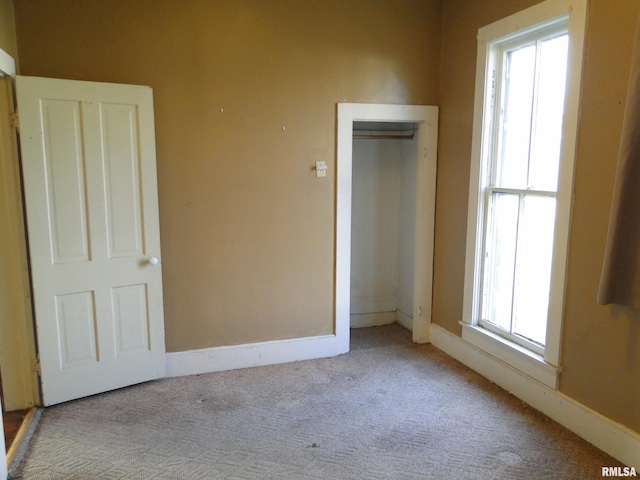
527	104
526	113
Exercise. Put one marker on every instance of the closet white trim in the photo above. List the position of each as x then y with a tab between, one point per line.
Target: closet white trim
427	119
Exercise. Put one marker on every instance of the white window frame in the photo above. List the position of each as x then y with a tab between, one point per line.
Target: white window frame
545	366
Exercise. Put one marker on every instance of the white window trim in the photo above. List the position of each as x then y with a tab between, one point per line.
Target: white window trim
546	368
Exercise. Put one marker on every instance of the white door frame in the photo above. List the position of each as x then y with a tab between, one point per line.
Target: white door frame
427	119
7	64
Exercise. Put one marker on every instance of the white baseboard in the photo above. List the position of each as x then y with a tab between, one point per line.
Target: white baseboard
218	359
377	303
405	320
360	320
612	438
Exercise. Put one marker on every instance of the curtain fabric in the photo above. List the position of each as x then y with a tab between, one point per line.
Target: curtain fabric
620	280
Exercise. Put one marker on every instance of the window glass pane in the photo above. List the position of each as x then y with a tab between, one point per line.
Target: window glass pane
547	132
513	160
533	267
500	259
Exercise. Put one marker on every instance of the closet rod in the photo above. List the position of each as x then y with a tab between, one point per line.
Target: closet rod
382	137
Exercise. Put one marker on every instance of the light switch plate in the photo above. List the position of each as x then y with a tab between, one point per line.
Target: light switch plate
321	169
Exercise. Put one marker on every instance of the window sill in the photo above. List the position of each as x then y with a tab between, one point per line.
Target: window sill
512	354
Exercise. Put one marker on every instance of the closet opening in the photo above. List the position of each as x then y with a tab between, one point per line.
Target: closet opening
385	182
383	223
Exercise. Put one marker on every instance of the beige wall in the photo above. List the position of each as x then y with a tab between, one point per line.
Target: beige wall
601	345
8	41
245	96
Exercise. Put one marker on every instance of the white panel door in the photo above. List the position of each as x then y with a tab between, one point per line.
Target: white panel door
88	153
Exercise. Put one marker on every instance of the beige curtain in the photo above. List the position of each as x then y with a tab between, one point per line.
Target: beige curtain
620	280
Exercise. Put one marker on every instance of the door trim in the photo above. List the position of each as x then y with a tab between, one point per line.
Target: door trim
7	64
427	119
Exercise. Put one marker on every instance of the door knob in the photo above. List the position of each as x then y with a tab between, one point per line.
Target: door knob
153	261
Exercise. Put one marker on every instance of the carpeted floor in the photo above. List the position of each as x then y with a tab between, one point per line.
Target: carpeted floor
389	409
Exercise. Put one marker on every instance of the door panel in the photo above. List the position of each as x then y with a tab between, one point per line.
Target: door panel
66	199
120	154
92	214
131	320
76	322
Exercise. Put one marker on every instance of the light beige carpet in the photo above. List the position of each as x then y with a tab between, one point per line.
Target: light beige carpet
389	409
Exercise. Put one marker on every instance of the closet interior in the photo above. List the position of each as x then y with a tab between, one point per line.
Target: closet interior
383	223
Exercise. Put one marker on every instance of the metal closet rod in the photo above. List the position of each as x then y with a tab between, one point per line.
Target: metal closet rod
357	136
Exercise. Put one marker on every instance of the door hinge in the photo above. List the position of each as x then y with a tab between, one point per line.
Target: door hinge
14	121
36	365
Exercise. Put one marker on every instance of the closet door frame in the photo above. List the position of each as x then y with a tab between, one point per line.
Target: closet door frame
427	119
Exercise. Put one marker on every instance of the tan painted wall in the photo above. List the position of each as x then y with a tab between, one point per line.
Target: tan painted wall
601	345
245	97
8	40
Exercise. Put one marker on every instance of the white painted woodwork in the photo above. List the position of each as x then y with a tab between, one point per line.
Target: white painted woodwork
7	65
231	357
407	226
427	119
92	214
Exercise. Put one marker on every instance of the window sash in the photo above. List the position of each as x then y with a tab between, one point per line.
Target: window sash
506	326
519	191
523	342
498	108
